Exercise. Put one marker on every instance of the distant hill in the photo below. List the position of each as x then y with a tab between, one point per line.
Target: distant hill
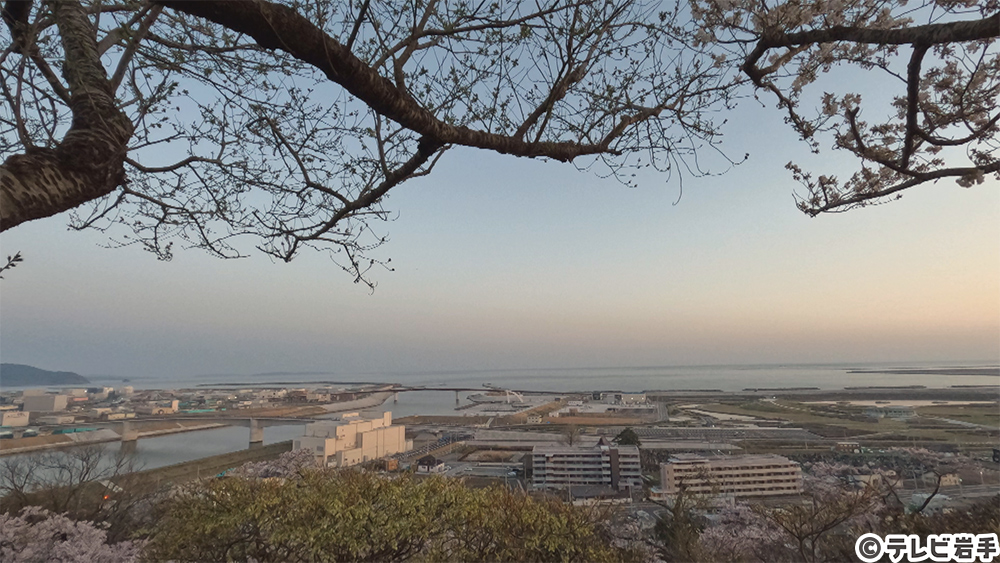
18	374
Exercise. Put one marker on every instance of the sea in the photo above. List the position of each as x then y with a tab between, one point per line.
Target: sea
563	380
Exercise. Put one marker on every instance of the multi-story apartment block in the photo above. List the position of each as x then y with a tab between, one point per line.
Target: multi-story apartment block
604	464
352	440
741	476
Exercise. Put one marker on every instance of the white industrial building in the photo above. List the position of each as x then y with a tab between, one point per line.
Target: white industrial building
14	418
351	440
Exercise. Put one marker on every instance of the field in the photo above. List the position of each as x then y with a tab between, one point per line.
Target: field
986	415
847	423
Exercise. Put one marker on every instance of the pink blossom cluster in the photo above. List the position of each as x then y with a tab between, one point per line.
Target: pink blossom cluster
288	465
36	534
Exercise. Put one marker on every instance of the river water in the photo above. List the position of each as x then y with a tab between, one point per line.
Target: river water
170	449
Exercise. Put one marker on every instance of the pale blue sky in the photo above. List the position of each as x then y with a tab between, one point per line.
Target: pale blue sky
507	263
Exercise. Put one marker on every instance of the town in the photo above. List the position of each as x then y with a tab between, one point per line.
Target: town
639	449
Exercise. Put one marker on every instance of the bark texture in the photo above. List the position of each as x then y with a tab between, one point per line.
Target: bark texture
88	161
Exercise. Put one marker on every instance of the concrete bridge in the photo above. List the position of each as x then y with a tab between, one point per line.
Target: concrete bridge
130	429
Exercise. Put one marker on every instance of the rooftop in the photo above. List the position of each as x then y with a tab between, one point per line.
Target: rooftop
742	460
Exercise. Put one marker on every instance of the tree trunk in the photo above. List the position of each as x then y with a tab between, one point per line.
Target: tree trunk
88	162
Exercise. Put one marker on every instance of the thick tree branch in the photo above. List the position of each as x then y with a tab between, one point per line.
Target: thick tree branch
912	95
87	163
274	26
930	34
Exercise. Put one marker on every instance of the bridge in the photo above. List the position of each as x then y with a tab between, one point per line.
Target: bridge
130	429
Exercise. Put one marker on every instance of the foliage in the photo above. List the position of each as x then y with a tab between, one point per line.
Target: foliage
37	535
940	65
677	532
628	437
353	516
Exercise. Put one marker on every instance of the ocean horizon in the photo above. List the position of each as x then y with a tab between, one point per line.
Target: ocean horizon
729	377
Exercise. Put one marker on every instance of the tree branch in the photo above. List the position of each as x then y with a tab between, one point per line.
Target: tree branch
87	162
930	34
278	27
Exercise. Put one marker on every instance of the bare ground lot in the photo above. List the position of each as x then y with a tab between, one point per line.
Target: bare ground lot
832	426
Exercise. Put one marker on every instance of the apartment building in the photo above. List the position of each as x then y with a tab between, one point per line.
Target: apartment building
741	476
351	439
558	467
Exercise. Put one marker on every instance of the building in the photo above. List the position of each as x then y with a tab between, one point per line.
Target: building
56	419
352	440
892	411
742	476
101	412
156	409
44	403
554	467
626	398
947	480
619	398
430	464
874	479
590	495
849	447
14	418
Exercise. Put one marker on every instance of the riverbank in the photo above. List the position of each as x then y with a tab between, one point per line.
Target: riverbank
163	427
214	465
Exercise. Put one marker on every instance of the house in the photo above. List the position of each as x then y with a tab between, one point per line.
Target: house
590	495
874	479
947	480
430	464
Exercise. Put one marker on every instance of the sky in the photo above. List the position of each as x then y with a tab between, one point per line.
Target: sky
505	263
